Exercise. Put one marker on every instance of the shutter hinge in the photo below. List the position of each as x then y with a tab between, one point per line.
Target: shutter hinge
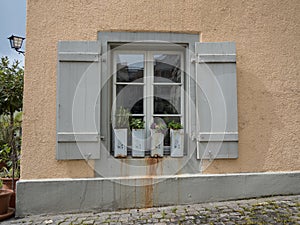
194	59
87	156
102	58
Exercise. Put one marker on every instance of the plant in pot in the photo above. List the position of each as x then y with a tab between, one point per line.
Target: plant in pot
138	137
158	132
177	138
5	195
120	132
10	142
11	104
9	176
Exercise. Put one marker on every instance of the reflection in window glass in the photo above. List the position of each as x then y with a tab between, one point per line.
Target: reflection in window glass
167	68
167	100
130	67
130	97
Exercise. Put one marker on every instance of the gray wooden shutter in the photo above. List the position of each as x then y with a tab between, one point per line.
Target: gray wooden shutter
216	100
78	95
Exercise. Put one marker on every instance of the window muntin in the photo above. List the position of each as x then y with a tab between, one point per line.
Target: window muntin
150	85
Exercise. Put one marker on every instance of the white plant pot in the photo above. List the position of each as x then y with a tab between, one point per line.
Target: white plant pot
177	142
138	142
120	142
157	144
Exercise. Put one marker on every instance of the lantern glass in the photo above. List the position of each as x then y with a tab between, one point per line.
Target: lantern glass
16	42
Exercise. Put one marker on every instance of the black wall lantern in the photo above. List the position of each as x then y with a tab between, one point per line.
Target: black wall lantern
16	43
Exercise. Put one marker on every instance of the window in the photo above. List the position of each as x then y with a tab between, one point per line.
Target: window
157	76
149	84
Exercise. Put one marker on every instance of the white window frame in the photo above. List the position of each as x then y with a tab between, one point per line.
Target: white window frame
109	41
149	84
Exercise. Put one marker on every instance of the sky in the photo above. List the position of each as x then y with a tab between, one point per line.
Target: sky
12	21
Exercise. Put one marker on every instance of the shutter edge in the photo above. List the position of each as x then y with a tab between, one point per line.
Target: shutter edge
78	56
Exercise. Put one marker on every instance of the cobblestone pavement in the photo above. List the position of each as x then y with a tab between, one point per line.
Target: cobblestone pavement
274	210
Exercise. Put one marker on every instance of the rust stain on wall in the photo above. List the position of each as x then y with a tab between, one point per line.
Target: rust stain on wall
154	168
124	163
153	164
149	194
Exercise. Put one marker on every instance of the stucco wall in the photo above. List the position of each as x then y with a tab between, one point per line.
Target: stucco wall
267	37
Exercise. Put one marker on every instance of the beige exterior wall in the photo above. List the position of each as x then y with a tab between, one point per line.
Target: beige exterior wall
267	36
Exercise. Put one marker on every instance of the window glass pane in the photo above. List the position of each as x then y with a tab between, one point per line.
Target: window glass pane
166	120
130	67
167	68
130	97
167	100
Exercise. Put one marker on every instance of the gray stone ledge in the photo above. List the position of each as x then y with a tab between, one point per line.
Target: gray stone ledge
78	195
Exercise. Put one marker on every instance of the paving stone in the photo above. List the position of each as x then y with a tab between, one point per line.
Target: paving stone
203	212
234	218
89	222
234	214
212	219
192	211
64	223
187	222
25	222
180	211
157	216
275	210
199	208
221	215
174	220
226	210
230	223
295	218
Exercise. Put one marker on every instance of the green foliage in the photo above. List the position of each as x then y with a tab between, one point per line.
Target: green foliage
6	130
7	172
5	153
11	159
122	118
175	125
137	124
6	157
1	183
11	101
11	86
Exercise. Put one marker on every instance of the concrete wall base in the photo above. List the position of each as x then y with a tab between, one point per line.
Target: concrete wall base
105	194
